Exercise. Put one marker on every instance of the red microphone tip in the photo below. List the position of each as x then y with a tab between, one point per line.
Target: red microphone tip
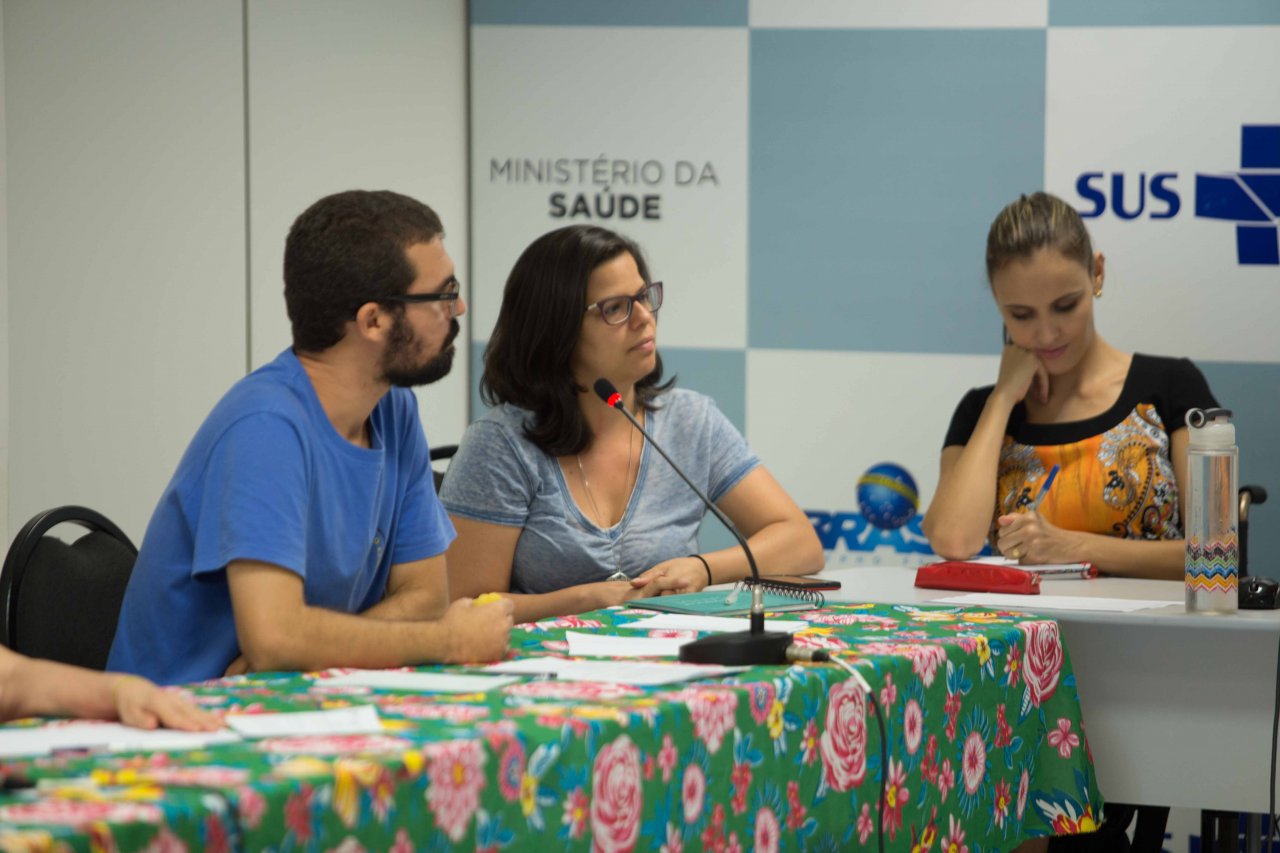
615	399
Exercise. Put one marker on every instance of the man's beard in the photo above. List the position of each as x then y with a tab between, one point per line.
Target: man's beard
398	365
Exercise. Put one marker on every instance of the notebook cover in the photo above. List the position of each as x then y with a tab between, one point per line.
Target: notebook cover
713	603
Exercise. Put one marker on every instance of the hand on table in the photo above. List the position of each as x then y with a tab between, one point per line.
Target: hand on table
670	577
611	593
142	704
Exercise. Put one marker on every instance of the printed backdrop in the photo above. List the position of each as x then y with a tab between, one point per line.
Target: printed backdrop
814	181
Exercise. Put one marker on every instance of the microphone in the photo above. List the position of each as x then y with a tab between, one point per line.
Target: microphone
753	647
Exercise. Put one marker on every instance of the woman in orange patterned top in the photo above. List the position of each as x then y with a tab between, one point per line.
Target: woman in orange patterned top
1113	421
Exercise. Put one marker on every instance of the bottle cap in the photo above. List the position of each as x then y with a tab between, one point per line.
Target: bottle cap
1210	429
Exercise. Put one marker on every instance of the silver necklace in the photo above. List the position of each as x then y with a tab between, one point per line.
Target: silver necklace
586	486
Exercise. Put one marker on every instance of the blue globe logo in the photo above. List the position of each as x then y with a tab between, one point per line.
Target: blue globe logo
887	496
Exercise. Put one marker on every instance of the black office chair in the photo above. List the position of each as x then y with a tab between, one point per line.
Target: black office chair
1249	495
61	602
443	452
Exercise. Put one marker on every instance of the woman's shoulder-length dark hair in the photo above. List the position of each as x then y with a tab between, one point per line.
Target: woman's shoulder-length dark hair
528	362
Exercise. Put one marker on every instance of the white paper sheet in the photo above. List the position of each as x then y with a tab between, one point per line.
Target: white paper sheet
684	622
1053	602
424	682
356	720
529	666
1048	571
612	672
1010	563
97	736
612	646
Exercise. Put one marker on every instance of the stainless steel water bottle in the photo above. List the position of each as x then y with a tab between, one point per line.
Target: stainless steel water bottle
1213	553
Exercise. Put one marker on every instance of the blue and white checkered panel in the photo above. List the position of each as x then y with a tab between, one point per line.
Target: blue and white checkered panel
827	286
878	158
899	14
639	129
1148	164
1165	13
611	13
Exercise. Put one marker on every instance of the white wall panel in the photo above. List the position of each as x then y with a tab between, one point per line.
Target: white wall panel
4	311
367	95
819	419
603	115
126	243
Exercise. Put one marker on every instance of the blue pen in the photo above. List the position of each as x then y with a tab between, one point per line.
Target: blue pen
1044	490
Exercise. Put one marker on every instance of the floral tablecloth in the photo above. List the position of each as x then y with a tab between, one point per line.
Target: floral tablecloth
985	748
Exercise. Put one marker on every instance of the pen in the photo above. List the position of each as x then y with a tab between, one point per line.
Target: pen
1044	490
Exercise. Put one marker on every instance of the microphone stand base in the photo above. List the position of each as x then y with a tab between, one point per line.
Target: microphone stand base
741	648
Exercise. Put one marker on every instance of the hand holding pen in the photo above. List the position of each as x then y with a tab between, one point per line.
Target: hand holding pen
1027	537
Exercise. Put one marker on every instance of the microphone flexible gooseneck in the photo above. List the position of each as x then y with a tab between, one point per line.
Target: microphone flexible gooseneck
604	388
756	646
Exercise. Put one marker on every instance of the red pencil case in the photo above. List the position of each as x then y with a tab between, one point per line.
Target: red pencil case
977	577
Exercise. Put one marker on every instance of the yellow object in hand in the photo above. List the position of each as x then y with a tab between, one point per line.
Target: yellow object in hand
487	598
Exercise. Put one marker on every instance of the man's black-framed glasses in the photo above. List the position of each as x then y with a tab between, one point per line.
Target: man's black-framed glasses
616	310
450	293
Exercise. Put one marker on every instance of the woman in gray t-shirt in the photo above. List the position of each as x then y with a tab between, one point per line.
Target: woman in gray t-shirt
556	498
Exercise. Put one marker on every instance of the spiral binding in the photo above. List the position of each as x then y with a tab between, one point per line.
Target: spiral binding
812	596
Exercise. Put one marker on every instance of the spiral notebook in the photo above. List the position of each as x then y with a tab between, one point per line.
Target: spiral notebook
735	602
1048	571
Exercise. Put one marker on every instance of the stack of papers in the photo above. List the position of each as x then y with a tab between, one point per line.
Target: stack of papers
1054	602
420	682
1056	571
611	672
608	646
96	736
356	720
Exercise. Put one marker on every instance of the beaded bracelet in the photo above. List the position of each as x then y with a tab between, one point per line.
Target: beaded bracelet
705	565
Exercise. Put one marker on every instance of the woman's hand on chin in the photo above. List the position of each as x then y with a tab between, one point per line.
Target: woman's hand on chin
1022	375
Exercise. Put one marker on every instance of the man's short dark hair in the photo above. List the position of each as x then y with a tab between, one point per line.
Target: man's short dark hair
345	250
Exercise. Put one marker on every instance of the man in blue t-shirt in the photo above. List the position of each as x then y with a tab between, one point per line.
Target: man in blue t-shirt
302	529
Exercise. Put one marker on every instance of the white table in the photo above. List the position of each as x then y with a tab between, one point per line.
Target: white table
1177	707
